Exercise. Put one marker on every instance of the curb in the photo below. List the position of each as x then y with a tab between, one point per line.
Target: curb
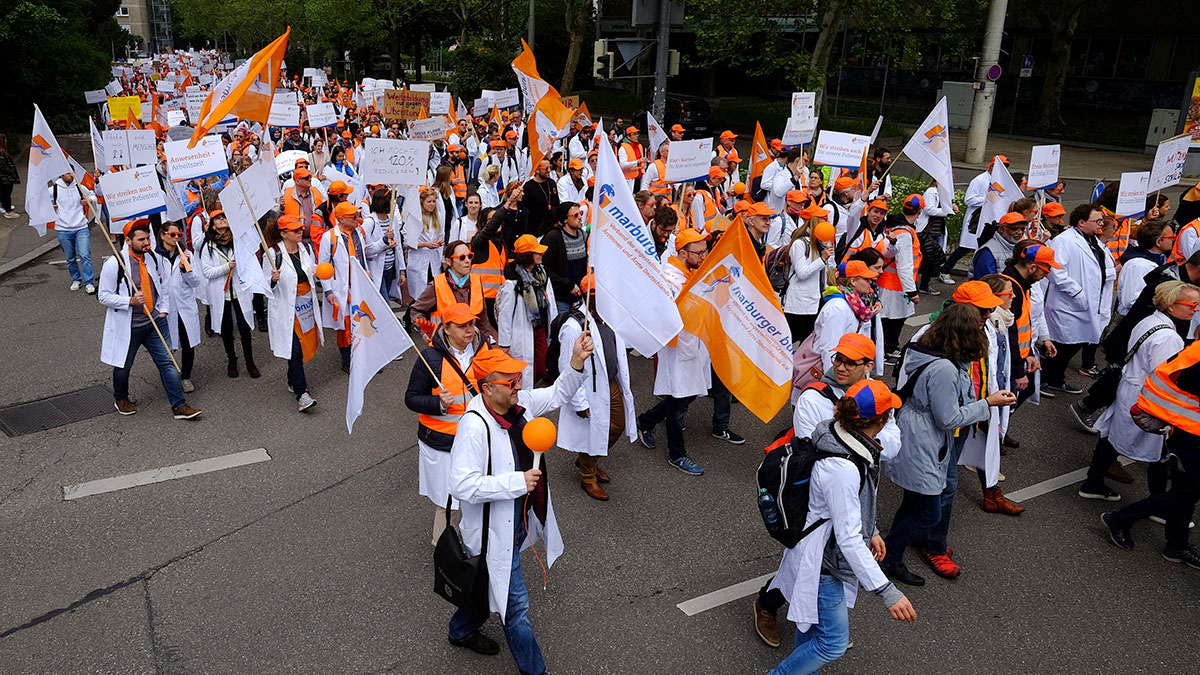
27	258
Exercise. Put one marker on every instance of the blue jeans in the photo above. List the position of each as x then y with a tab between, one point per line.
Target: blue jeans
145	335
295	371
825	641
77	243
518	631
674	412
935	541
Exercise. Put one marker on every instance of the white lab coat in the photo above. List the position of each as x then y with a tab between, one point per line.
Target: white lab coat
216	273
837	319
515	329
976	192
1116	424
1078	296
488	196
567	192
1132	282
281	304
685	369
590	435
982	449
183	288
423	263
474	487
812	408
779	230
114	293
895	304
339	284
782	182
933	208
628	162
808	279
375	230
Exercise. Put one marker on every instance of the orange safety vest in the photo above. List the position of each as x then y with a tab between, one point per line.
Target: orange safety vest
867	242
890	278
1163	399
291	207
686	219
1024	326
459	182
660	186
634	150
1177	255
445	295
710	208
1120	240
461	391
490	271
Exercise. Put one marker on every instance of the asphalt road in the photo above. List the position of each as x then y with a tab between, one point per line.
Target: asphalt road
318	561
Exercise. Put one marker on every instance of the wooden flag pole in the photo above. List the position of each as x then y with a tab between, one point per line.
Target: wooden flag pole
262	238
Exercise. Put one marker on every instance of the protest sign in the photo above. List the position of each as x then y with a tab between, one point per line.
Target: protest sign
321	115
1131	195
439	103
143	146
689	160
1043	166
285	162
483	105
309	72
193	102
119	107
803	100
95	96
174	117
165	86
404	105
113	88
800	129
423	86
132	193
509	98
389	161
248	196
429	129
1167	169
319	78
875	131
285	114
206	159
205	79
835	148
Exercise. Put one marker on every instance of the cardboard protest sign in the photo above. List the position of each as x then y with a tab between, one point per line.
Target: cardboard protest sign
429	129
285	114
95	96
835	148
119	107
800	129
404	105
389	161
1131	195
321	115
509	98
1167	169
1043	166
439	103
802	101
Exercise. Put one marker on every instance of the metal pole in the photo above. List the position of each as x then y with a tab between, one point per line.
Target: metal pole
1016	99
530	40
660	63
985	92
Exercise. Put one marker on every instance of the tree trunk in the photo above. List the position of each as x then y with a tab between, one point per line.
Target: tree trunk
576	18
418	55
823	50
395	54
1062	33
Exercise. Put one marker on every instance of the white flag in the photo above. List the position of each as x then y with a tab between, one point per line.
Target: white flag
1002	191
632	295
929	148
376	338
657	136
461	111
46	163
97	146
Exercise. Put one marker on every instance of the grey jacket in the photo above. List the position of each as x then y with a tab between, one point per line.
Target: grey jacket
941	402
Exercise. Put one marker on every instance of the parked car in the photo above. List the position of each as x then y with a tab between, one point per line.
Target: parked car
693	113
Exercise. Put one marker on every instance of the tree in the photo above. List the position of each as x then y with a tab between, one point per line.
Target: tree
1058	18
578	17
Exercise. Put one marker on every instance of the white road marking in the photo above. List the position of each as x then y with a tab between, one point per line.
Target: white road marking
209	465
720	597
917	320
745	588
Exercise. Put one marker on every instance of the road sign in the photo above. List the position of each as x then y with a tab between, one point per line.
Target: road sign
1026	72
993	73
1027	61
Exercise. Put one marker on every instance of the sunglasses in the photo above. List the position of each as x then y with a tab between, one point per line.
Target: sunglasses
465	257
1189	305
512	384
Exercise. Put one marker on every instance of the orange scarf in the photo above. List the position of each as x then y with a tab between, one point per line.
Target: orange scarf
147	288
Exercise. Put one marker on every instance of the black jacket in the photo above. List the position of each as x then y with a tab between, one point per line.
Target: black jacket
1117	342
419	396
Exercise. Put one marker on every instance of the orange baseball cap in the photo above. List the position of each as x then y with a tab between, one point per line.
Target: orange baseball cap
678	128
813	211
795	196
344	209
844	183
760	209
499	144
217	213
689	235
727	135
976	293
591	181
588	283
453	148
459	313
575	164
741	205
511	135
301	173
1040	254
1053	209
856	346
915	202
873	398
346	134
1011	217
1002	158
339	187
878	204
717	172
136	222
289	222
857	268
631	130
527	243
776	144
494	360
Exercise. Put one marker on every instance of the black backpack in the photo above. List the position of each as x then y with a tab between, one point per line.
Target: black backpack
554	347
784	479
778	262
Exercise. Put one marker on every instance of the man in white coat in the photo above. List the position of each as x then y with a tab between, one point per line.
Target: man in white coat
492	476
1078	296
602	410
336	247
684	370
137	293
977	191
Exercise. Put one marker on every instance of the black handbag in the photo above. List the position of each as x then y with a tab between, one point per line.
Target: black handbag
460	578
1104	389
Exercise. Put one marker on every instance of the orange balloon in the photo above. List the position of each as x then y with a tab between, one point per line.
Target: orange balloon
823	232
325	271
539	434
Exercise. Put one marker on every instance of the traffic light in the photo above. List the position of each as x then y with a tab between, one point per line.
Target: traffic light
602	69
672	62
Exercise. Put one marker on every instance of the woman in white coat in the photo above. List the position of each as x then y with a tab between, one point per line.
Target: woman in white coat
385	266
811	262
466	225
230	300
602	410
424	216
525	306
485	474
853	308
183	316
1175	305
292	305
335	247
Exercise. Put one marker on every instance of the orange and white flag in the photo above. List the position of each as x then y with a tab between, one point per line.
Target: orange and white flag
548	123
760	155
47	162
729	304
863	180
533	87
246	92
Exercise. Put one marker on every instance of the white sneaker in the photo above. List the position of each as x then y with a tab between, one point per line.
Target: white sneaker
1163	521
305	402
946	279
187	386
75	285
12	214
90	289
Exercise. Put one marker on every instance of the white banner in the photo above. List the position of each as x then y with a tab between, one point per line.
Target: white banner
1043	167
377	338
284	114
423	86
508	98
804	101
429	129
321	115
1002	191
1131	197
800	129
875	131
657	135
95	96
689	160
132	193
206	159
388	161
835	148
1167	169
439	103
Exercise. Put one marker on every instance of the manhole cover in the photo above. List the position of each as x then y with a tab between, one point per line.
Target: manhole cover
55	411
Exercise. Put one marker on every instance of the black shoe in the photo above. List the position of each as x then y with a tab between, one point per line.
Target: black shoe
346	368
1121	538
728	435
478	643
1188	556
261	322
1101	491
646	436
899	572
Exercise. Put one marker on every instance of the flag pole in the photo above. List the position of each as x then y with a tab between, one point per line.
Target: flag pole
132	285
895	159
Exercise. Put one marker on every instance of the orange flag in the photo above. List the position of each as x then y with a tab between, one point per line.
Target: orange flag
760	156
549	118
495	117
246	92
863	181
131	122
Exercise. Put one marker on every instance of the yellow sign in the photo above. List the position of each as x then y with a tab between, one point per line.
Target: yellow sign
399	104
1191	123
119	107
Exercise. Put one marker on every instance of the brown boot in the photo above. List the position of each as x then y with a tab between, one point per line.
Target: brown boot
252	370
594	491
1118	473
994	502
766	625
601	474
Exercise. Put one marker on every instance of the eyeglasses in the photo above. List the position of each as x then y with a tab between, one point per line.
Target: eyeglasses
463	257
700	252
1189	305
172	234
1098	221
840	360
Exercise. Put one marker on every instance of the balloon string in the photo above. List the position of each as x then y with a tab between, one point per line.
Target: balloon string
545	574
